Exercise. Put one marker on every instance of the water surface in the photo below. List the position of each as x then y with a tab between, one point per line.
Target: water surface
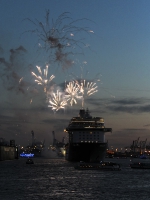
57	179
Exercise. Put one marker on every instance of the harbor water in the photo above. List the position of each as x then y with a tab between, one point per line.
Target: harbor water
57	179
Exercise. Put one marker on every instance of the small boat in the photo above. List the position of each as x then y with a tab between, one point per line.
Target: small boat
98	166
143	157
140	165
29	161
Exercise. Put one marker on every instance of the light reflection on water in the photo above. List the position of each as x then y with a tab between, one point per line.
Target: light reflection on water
57	179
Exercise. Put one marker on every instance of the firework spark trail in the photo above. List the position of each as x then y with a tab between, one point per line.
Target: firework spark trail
72	91
91	88
60	37
20	79
86	89
42	79
57	101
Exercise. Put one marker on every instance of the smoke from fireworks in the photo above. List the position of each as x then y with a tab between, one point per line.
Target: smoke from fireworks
60	38
13	70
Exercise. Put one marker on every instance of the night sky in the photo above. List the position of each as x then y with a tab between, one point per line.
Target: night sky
104	41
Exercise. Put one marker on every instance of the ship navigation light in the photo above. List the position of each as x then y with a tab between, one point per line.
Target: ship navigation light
27	155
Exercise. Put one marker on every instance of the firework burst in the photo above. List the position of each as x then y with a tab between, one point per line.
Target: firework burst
87	88
72	91
57	101
42	79
60	37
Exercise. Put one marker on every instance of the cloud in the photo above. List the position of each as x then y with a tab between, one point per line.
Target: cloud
130	109
55	121
130	105
129	101
124	137
147	125
126	105
134	129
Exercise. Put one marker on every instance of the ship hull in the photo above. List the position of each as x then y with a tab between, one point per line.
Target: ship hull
8	153
87	152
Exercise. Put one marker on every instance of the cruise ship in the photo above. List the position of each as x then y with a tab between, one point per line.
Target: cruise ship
86	138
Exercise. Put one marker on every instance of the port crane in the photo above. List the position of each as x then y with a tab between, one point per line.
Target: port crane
143	146
138	146
134	145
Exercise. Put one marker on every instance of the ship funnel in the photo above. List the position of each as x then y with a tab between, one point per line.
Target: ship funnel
82	113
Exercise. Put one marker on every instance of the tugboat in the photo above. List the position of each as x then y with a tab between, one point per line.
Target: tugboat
86	136
101	166
140	165
29	161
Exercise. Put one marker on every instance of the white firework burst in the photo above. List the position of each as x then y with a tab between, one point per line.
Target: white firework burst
42	79
72	91
57	101
87	88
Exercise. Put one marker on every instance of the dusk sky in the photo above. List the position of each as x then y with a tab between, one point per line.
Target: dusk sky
105	41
